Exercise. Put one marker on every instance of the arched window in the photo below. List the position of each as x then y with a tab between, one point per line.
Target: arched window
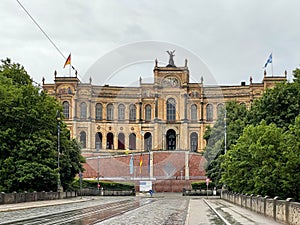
83	110
83	139
132	141
66	110
171	109
148	113
132	112
194	112
121	112
98	141
110	112
171	139
110	141
148	141
209	112
121	141
220	108
98	111
194	142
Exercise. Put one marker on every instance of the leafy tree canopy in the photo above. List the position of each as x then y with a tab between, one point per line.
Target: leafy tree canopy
280	105
264	161
28	136
214	136
263	143
15	71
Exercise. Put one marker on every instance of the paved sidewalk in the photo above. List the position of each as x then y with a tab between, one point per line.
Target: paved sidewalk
36	204
198	213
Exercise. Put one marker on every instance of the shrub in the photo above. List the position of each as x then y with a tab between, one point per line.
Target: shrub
202	185
107	185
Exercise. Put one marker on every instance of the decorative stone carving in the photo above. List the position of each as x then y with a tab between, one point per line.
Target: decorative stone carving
84	92
194	94
170	82
65	90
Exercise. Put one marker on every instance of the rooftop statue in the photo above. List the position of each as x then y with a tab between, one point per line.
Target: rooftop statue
171	60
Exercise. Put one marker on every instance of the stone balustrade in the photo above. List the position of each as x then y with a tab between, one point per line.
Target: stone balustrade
15	197
285	211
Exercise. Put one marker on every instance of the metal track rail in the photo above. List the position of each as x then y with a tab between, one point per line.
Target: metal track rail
90	215
218	214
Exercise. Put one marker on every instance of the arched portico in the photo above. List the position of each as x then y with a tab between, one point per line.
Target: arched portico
171	139
148	141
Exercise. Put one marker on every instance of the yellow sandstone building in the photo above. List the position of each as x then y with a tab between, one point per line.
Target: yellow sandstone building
169	114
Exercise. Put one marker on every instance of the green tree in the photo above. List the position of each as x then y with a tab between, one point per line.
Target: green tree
279	105
254	164
296	75
214	136
263	144
28	136
291	157
15	71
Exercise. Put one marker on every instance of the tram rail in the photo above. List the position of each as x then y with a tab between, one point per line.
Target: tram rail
89	215
217	213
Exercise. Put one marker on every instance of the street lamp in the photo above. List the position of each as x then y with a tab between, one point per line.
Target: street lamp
98	169
225	131
58	150
149	159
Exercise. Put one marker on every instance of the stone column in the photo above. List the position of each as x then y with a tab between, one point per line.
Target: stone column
104	140
142	139
91	137
104	111
75	109
156	108
140	111
201	111
185	108
187	169
115	141
151	164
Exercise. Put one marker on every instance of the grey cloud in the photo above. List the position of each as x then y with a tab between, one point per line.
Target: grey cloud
234	38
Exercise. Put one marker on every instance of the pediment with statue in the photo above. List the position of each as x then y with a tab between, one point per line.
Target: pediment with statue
171	75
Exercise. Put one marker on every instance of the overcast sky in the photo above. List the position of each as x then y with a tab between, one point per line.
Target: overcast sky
233	38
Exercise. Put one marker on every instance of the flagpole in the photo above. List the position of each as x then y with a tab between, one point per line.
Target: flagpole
133	166
272	64
134	169
70	67
68	62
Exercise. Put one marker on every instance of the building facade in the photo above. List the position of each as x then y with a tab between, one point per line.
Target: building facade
169	114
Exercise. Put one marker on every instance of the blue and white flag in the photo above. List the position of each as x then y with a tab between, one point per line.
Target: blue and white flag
131	164
268	61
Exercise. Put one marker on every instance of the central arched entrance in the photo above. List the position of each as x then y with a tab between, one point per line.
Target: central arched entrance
148	141
171	139
194	142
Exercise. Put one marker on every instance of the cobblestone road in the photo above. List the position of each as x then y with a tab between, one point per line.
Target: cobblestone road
170	210
163	208
46	210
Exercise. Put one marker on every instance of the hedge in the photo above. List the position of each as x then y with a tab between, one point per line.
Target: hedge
107	185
